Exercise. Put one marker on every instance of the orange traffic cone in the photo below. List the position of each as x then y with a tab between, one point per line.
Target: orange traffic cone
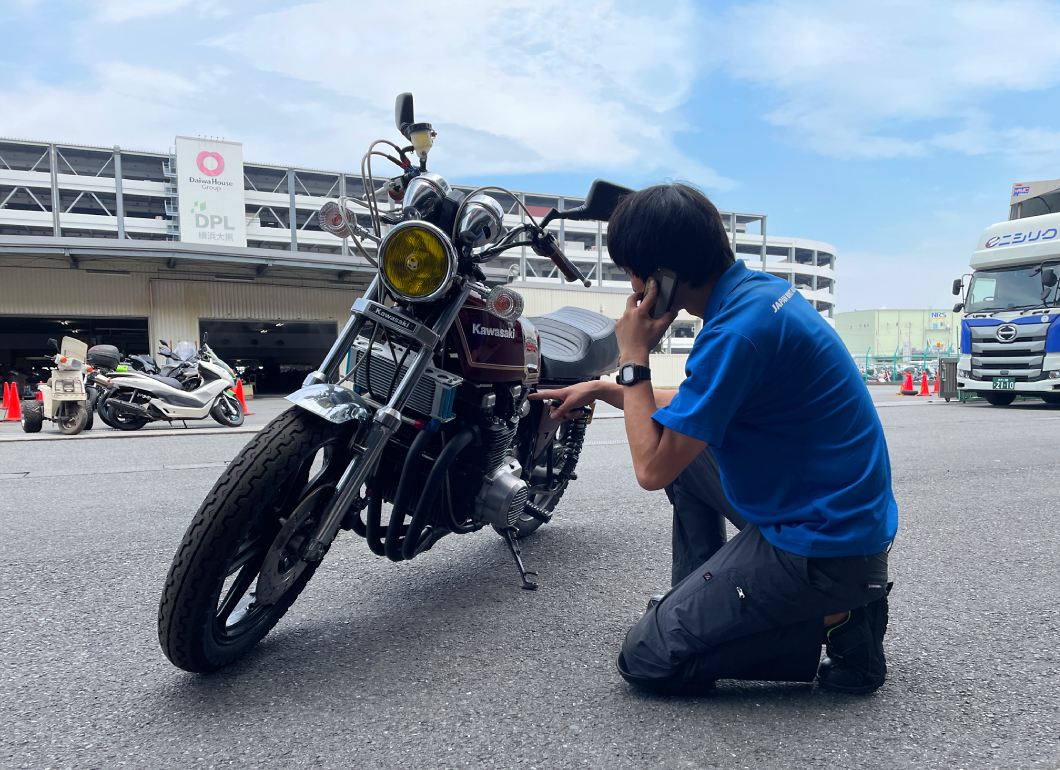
935	390
924	386
242	400
14	408
907	385
7	395
40	395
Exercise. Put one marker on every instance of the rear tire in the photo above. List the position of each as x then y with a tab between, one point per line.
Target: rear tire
32	416
1000	399
208	616
116	418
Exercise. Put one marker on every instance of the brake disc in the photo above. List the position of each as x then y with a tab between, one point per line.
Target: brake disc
283	563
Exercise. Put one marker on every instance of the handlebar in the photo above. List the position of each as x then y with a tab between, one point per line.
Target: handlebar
546	245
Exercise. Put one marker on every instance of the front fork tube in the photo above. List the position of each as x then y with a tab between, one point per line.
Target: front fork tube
385	424
332	361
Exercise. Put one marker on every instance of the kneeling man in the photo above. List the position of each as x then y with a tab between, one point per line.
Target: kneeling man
774	430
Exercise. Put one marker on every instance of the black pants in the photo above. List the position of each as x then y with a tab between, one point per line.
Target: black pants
742	609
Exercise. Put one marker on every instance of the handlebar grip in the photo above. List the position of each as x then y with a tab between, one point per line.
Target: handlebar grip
547	246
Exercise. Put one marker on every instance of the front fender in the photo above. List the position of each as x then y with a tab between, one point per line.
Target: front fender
332	402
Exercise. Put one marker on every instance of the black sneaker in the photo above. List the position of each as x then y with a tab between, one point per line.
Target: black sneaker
854	661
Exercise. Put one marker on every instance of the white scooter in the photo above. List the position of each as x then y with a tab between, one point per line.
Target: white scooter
132	399
64	397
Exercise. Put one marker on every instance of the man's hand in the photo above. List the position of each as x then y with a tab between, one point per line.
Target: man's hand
637	332
572	400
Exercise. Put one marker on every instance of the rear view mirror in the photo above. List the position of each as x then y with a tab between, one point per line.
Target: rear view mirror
599	204
958	307
404	115
958	284
165	351
53	342
1048	277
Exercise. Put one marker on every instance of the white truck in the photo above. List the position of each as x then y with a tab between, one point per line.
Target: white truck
1010	333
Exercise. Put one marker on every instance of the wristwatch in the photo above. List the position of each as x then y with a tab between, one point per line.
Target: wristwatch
631	373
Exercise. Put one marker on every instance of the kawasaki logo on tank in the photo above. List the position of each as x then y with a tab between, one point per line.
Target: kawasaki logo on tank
1028	237
492	331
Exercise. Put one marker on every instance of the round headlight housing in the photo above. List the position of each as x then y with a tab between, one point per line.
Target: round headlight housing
416	261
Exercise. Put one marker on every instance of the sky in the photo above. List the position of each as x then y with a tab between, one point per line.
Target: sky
892	130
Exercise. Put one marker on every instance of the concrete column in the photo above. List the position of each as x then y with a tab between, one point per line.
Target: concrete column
293	217
763	243
54	165
342	194
562	234
120	207
522	249
732	231
599	253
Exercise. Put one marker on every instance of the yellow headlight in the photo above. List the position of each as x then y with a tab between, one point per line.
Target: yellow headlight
416	262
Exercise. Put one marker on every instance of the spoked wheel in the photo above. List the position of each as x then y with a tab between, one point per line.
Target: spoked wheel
239	567
546	489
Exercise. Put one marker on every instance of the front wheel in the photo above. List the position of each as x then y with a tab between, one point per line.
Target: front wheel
227	410
1051	398
238	568
1000	399
71	418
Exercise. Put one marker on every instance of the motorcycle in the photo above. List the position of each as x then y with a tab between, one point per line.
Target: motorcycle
131	399
430	415
64	396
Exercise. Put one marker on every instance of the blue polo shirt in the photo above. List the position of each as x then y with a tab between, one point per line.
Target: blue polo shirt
773	390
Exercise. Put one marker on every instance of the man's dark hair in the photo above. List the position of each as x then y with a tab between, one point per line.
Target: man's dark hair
673	226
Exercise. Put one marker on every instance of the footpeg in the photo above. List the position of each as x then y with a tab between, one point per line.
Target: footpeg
540	514
529	585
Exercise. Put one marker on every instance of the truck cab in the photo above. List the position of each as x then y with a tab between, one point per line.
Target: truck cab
1010	332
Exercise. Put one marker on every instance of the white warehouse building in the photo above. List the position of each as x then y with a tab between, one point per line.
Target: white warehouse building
98	242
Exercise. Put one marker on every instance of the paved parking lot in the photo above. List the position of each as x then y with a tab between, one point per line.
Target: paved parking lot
444	661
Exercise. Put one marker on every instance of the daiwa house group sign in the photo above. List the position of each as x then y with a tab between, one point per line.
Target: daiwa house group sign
210	192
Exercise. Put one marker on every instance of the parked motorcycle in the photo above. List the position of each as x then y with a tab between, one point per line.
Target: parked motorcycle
65	399
431	416
132	399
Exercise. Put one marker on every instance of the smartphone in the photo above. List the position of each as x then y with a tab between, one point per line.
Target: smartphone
664	300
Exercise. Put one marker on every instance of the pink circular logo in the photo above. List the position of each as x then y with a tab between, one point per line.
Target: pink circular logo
200	161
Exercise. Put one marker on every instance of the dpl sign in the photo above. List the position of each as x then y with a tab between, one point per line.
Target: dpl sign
210	192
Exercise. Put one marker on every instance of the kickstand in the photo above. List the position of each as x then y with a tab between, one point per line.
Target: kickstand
527	584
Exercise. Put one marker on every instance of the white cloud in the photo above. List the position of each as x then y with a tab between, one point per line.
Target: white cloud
125	10
518	87
871	80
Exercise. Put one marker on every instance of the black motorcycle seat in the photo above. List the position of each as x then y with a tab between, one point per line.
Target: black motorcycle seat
576	344
166	380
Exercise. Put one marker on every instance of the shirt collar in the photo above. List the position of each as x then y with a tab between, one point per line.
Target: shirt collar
728	281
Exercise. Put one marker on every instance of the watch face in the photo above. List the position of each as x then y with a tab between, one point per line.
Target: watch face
627	373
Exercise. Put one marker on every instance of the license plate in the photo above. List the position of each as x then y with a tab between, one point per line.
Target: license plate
1004	383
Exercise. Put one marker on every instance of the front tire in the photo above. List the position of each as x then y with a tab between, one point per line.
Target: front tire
71	418
1000	399
227	411
1051	398
262	508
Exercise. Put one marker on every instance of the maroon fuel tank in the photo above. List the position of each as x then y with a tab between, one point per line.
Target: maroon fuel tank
491	349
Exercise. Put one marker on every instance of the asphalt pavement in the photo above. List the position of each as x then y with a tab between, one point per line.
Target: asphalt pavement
444	662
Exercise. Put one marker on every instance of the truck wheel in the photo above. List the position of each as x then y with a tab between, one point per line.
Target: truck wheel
1000	399
1051	398
72	418
32	416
